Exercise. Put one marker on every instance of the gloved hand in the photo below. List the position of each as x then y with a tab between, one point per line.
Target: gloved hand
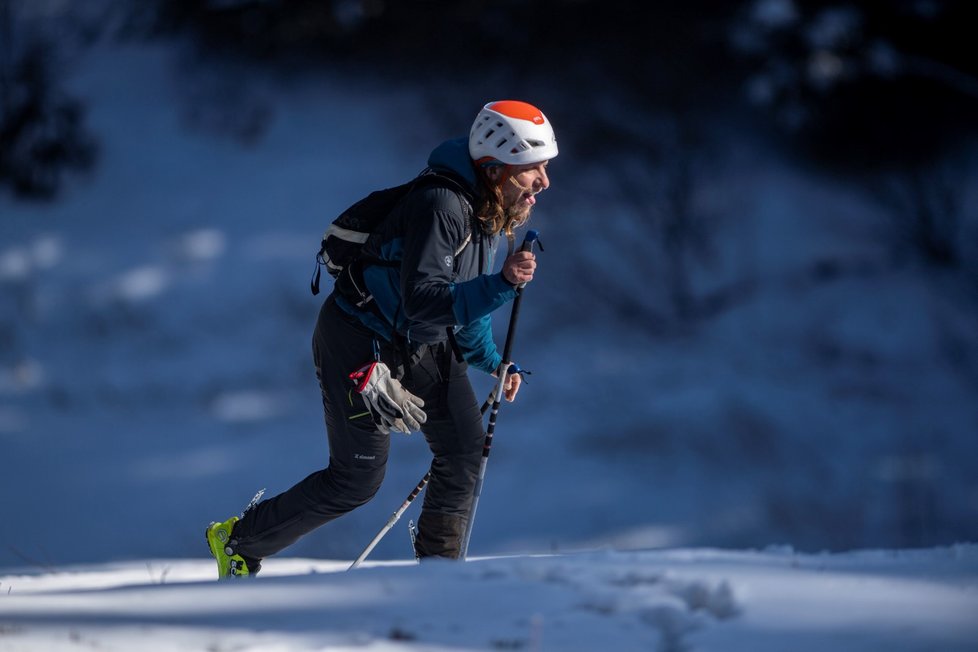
392	407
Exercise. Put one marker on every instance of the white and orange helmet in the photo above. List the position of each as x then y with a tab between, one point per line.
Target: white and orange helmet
513	133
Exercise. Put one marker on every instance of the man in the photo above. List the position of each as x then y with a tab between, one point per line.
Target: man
395	337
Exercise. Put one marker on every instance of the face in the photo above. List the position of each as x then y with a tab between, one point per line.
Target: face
520	187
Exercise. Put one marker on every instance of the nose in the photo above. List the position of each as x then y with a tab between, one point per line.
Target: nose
542	182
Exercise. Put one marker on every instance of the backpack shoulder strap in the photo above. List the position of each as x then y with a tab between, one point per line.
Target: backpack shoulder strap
451	181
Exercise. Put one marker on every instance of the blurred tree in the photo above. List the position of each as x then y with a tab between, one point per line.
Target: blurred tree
883	94
41	129
307	32
862	85
929	213
675	234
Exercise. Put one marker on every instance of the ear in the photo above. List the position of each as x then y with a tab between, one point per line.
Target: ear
493	172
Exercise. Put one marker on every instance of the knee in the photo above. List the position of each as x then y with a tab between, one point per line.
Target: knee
459	465
468	463
363	494
463	458
360	488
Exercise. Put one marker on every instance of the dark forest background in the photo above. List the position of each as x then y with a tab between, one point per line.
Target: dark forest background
883	94
858	86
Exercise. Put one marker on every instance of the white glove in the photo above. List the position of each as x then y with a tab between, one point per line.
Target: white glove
392	407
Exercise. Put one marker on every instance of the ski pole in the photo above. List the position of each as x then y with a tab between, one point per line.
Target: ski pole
531	237
399	512
395	517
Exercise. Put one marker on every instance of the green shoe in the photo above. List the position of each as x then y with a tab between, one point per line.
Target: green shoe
229	563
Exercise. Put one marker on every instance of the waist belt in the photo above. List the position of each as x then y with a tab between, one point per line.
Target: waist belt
352	287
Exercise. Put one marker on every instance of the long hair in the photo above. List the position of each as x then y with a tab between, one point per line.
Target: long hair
489	211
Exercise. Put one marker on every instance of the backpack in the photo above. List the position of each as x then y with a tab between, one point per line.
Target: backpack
343	240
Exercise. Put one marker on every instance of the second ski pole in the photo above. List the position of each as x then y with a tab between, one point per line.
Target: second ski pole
531	238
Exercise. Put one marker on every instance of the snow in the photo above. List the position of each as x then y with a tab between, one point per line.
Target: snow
669	600
155	373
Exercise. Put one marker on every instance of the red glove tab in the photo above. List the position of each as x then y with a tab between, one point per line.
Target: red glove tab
362	375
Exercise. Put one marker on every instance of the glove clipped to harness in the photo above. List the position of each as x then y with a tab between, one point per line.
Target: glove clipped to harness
393	408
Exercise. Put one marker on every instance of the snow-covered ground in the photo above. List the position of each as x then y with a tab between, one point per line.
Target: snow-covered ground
670	601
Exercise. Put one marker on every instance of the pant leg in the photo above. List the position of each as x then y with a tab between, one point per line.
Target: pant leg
454	432
357	450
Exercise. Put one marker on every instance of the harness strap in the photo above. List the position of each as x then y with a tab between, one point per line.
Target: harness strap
453	343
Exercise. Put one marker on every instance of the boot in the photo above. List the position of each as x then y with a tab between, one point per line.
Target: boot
439	535
221	541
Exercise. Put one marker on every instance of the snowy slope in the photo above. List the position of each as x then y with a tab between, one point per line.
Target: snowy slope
703	600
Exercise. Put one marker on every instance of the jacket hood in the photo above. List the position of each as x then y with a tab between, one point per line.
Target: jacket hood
453	156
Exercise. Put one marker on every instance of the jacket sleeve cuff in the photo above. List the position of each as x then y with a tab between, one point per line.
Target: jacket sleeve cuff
504	283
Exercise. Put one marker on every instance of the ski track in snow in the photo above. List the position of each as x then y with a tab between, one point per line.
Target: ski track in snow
670	600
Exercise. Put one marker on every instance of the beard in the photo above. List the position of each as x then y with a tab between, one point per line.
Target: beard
518	215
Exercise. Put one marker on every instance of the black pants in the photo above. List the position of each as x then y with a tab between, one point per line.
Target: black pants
358	451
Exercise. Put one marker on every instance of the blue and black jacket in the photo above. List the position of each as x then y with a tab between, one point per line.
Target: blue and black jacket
442	279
